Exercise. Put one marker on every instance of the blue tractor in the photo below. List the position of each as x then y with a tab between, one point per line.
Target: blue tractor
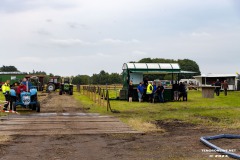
25	99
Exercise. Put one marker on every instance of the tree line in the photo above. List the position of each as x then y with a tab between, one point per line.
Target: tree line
104	78
185	65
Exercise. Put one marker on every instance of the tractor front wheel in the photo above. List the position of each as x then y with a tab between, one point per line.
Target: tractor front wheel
38	107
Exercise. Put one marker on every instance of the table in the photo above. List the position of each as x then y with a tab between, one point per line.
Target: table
208	91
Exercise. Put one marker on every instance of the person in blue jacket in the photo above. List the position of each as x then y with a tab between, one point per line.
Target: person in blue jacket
154	91
140	90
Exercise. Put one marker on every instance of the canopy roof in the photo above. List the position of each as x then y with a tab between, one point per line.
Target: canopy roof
152	67
12	73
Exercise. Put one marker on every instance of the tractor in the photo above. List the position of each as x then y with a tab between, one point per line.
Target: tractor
26	99
53	84
66	86
35	80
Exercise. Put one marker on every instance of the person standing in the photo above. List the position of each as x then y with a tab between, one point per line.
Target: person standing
154	91
182	91
159	91
140	90
149	91
218	87
175	90
6	92
130	91
225	87
27	83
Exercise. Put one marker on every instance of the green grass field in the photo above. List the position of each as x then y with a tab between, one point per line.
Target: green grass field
221	112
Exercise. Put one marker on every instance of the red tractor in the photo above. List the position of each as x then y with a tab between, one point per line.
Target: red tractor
54	83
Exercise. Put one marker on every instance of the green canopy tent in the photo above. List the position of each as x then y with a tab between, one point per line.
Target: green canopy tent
136	71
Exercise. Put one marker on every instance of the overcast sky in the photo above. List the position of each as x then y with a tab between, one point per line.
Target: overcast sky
71	37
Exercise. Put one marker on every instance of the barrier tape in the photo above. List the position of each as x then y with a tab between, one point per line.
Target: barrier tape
10	111
6	111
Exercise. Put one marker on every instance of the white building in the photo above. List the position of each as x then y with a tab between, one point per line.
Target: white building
210	79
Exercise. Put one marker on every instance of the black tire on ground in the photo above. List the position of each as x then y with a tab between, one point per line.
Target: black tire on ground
38	107
60	92
33	107
51	87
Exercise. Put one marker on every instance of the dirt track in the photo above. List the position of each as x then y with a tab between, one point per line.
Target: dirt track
63	131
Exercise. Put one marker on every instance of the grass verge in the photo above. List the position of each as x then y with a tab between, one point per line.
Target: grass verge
220	112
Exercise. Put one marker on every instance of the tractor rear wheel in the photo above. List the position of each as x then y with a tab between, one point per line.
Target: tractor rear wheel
51	87
71	92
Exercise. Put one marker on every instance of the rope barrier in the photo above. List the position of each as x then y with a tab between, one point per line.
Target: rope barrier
6	111
10	111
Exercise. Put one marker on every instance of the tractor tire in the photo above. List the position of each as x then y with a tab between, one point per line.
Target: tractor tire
51	87
60	92
14	107
37	107
33	107
71	92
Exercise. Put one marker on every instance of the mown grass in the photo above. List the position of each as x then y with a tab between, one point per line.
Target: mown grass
221	112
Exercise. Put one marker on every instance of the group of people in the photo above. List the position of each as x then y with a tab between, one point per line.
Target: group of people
23	86
180	91
147	90
218	85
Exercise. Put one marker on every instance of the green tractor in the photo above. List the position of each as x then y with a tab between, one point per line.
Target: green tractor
66	86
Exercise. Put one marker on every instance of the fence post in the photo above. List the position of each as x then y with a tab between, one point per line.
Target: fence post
95	96
78	87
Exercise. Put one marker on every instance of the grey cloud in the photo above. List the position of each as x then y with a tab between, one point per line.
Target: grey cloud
12	6
75	25
49	20
43	32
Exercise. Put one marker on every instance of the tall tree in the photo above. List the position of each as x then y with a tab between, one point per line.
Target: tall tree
185	65
188	65
8	69
81	79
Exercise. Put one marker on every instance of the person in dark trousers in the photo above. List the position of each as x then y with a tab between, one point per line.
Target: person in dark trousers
159	91
140	90
6	92
182	91
154	91
149	91
175	91
130	91
218	87
225	87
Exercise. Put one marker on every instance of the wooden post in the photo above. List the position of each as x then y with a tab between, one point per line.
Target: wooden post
95	96
103	96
